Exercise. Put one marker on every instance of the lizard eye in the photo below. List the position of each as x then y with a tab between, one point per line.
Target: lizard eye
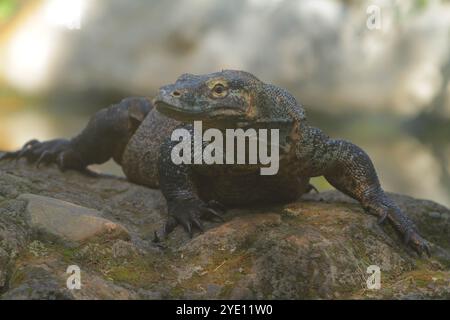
219	90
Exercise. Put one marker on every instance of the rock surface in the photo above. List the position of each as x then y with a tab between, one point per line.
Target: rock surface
66	221
319	247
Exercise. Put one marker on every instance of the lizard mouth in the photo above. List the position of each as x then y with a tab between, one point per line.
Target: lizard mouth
184	114
175	112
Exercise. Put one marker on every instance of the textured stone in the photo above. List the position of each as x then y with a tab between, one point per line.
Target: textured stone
316	248
68	221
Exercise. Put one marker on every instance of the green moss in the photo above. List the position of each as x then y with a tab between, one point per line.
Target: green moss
17	278
140	272
125	274
226	291
176	292
143	271
423	278
68	254
223	269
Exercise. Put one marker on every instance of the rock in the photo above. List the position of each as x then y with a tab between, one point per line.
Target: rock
123	249
68	221
37	283
4	258
319	247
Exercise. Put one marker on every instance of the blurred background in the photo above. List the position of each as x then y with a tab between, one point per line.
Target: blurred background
374	72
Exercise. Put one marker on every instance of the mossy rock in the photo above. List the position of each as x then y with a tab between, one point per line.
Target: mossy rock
316	248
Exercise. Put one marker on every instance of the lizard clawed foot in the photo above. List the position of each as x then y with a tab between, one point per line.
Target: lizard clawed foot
188	213
57	151
406	227
417	243
25	150
214	210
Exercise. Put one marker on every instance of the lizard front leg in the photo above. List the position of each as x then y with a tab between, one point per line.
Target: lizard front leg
177	183
351	171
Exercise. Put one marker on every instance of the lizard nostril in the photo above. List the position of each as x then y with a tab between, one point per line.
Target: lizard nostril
176	93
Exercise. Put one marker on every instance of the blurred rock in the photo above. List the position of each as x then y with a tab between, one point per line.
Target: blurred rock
321	50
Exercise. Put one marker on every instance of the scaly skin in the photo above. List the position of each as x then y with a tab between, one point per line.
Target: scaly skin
137	136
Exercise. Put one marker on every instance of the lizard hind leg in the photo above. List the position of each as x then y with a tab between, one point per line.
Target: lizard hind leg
105	137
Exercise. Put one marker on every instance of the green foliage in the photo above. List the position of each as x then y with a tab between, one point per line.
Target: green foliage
7	9
421	4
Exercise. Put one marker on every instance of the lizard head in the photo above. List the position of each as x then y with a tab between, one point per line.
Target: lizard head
225	97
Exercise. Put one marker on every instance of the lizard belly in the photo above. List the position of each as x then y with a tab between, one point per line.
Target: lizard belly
251	188
141	155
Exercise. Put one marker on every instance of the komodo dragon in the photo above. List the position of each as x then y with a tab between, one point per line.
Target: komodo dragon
136	133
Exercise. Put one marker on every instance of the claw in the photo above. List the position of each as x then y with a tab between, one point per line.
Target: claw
156	238
382	218
419	252
427	250
170	224
188	213
188	226
60	162
199	225
423	248
407	237
403	225
213	212
419	245
217	205
44	158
